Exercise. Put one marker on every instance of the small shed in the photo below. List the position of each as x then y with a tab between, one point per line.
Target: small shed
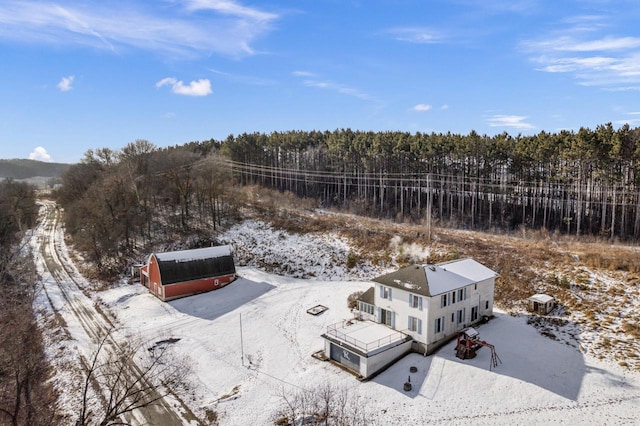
541	303
174	274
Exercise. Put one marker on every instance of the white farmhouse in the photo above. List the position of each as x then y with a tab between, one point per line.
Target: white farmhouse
427	303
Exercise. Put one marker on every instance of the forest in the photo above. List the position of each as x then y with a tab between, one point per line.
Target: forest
578	183
583	183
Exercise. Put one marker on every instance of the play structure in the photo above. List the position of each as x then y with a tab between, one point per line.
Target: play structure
469	343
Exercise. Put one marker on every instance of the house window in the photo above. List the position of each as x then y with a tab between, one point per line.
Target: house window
486	304
475	286
385	292
462	294
453	297
366	308
439	325
415	301
461	315
474	313
453	317
415	324
443	300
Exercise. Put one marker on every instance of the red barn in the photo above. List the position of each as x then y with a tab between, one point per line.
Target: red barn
176	274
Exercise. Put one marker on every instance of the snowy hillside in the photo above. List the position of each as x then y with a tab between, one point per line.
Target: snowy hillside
263	316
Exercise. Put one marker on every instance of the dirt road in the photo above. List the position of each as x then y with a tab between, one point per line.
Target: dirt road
82	320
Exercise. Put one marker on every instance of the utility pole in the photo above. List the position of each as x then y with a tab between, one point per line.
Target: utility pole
429	203
241	342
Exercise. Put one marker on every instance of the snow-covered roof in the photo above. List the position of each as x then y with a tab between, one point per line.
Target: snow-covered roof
469	268
441	281
432	280
541	298
194	254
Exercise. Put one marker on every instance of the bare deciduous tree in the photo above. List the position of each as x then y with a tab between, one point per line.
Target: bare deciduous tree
327	405
26	395
123	378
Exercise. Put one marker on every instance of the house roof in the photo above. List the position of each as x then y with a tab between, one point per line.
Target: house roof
190	265
541	298
432	280
368	296
469	268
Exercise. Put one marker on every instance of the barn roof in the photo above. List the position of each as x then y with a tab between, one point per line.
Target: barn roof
432	280
194	254
189	265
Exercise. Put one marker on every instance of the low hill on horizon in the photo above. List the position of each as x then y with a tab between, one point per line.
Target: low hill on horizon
23	169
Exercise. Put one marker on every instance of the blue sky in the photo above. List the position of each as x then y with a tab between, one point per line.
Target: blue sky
76	75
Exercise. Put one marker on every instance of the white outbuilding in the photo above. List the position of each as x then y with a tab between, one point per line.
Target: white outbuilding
541	303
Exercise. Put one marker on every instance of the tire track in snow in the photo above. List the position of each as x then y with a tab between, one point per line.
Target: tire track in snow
92	321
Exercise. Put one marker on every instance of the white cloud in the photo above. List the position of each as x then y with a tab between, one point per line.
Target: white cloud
445	106
416	35
66	83
40	154
594	58
511	121
421	107
200	87
182	28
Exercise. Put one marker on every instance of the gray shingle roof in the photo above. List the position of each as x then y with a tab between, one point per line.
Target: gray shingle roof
432	280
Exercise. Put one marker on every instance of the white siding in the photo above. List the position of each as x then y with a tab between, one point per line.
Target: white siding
477	294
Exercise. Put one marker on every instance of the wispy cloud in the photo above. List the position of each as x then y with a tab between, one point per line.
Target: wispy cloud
633	121
333	86
501	6
185	27
340	88
303	74
200	87
416	35
230	7
510	121
40	154
244	79
66	83
582	49
421	107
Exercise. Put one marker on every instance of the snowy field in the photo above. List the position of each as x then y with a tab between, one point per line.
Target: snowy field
262	316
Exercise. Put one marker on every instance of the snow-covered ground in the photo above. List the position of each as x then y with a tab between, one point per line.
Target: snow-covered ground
251	342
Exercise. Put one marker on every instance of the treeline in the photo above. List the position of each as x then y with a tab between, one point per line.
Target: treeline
22	169
584	182
121	203
26	394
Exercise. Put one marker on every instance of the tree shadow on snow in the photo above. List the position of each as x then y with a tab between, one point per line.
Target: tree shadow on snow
216	303
526	355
